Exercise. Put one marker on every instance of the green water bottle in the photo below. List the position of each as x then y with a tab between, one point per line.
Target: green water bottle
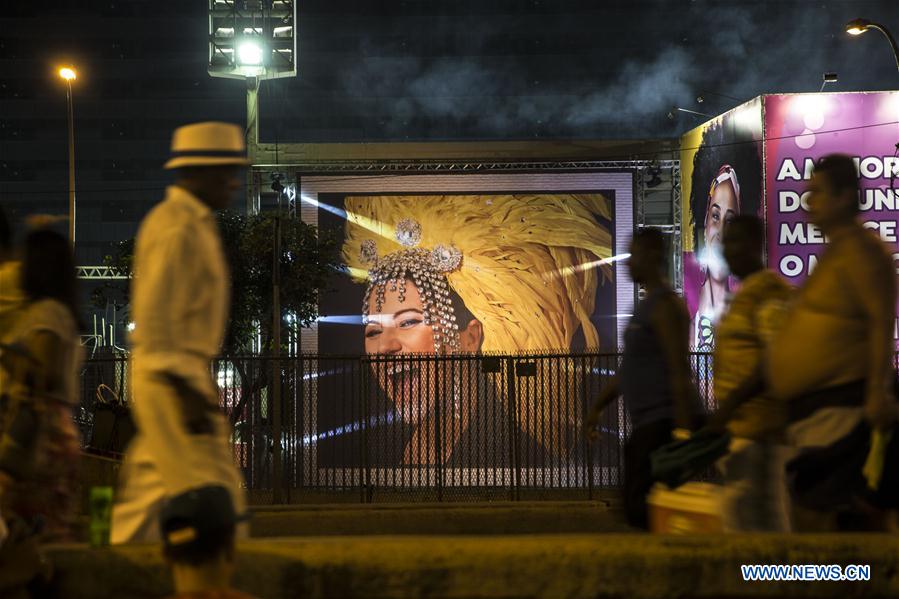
101	515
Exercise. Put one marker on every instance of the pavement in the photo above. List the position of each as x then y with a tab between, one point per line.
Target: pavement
494	518
609	565
493	549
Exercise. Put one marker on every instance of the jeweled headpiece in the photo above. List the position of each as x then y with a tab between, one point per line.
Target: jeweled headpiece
427	269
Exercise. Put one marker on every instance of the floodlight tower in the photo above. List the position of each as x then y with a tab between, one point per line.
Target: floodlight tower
252	40
255	40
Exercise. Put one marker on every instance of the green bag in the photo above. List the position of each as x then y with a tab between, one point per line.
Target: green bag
678	462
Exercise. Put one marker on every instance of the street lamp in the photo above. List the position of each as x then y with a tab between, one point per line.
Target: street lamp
68	75
859	26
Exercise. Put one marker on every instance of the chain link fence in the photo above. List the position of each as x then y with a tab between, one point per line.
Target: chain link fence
314	428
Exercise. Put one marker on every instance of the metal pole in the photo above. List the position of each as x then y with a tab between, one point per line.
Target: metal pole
513	428
276	363
890	39
252	139
587	383
439	366
71	119
366	489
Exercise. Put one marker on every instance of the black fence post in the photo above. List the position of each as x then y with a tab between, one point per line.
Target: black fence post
302	424
513	428
438	426
294	434
588	449
364	370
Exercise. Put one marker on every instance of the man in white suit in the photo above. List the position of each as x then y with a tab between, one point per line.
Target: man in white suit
180	301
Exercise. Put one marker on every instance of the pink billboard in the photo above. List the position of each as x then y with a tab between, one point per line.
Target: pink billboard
799	129
721	177
757	159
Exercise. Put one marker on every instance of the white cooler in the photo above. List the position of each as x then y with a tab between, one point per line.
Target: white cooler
690	509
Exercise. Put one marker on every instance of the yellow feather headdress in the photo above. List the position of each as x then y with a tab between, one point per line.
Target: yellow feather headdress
531	263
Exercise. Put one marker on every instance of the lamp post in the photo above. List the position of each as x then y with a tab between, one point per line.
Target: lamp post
860	26
68	75
256	41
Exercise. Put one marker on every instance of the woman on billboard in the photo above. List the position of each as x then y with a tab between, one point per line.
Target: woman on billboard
722	206
726	181
452	275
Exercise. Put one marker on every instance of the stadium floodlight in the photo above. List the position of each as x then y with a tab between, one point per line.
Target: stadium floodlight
252	39
249	53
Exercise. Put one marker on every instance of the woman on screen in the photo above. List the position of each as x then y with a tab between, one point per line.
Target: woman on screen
726	181
722	206
468	274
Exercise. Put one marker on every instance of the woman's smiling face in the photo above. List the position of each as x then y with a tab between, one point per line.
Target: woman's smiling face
722	209
399	326
398	329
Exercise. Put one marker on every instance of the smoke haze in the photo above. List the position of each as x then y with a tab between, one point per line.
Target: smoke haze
593	69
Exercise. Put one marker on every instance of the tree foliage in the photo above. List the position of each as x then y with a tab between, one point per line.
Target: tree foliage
308	258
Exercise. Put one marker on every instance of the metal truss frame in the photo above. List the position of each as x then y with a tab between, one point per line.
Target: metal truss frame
442	166
673	228
99	273
677	217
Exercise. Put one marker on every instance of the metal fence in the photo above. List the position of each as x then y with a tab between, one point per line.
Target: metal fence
382	428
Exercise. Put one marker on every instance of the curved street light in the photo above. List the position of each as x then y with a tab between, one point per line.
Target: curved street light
860	26
68	74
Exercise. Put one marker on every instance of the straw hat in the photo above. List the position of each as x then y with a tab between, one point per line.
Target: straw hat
208	144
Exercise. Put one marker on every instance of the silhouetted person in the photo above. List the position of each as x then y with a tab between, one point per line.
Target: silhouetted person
198	529
23	569
654	378
39	443
11	298
754	495
832	359
180	306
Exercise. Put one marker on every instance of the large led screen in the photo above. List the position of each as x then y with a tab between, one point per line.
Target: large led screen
468	265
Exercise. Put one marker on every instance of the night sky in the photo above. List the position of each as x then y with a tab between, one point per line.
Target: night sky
396	70
563	69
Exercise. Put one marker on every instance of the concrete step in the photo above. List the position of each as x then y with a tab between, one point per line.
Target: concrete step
539	566
438	519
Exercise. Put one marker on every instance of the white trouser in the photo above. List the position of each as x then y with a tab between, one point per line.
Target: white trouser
755	496
164	460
